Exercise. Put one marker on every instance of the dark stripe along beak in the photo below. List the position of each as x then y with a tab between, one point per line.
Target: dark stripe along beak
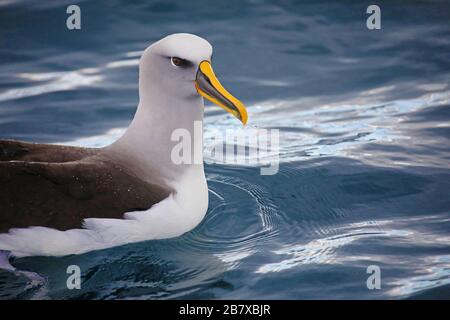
209	87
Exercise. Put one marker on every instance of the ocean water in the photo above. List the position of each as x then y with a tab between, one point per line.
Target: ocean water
364	121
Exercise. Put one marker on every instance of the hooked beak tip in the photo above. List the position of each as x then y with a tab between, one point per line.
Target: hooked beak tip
209	87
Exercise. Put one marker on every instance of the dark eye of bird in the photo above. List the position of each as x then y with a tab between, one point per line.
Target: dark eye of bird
178	62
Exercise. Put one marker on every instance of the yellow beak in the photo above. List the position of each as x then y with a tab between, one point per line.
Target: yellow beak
209	87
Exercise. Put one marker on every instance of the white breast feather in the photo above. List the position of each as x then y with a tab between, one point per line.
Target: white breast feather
178	213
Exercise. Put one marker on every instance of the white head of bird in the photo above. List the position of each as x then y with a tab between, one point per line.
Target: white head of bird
175	74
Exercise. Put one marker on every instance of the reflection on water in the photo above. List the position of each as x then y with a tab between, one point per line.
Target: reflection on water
364	145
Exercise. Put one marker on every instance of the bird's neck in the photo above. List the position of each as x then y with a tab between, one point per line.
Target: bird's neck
161	135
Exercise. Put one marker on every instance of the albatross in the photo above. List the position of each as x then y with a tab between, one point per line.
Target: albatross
59	200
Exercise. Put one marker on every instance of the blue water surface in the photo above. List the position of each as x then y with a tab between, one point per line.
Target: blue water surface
364	122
